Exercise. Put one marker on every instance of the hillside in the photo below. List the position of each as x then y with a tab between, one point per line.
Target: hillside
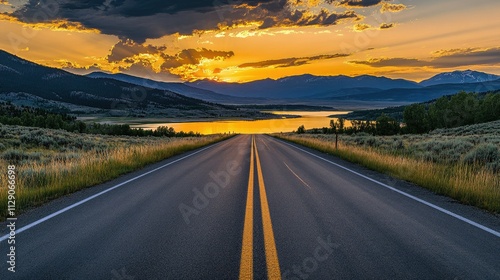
25	83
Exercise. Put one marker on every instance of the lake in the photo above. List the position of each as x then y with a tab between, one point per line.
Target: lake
308	119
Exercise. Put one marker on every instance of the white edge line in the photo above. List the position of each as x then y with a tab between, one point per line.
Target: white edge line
298	177
28	226
487	229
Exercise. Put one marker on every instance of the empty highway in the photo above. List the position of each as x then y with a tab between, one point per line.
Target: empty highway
254	207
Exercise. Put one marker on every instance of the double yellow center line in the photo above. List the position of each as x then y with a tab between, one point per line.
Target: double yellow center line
272	263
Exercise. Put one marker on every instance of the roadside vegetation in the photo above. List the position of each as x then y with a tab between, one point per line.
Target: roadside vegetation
52	163
461	162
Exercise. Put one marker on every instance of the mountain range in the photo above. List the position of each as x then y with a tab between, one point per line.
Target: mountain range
327	90
25	83
361	88
180	88
302	86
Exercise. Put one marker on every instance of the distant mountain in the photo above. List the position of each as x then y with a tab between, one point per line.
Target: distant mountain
26	83
459	77
180	88
301	86
344	92
421	94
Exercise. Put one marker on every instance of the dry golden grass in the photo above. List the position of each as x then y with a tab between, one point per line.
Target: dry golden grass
41	181
469	184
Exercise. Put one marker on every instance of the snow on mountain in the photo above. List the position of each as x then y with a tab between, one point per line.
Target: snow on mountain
459	77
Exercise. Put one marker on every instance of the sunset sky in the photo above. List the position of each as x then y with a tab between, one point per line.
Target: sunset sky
245	40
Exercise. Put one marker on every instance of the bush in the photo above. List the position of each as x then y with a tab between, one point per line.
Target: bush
14	155
301	130
483	153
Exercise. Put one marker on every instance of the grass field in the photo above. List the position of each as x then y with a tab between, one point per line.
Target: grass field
463	163
54	163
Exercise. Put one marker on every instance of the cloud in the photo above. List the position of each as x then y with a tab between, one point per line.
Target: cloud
290	62
392	8
470	56
361	26
78	69
392	62
193	57
445	59
141	20
305	18
148	60
358	3
128	48
454	51
387	25
193	64
54	25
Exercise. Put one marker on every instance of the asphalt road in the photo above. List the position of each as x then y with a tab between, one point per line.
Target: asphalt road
254	207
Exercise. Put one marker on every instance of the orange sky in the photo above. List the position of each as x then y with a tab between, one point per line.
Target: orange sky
398	39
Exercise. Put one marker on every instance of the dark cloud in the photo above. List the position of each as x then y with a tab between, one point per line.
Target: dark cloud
140	20
148	60
289	62
143	68
193	57
392	62
127	48
468	57
357	3
303	18
386	25
447	59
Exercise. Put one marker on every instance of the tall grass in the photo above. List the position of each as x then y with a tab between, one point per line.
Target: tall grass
39	181
471	184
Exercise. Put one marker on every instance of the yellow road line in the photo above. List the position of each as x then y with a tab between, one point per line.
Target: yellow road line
273	266
303	182
246	265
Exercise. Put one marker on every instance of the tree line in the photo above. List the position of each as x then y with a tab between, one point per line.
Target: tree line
446	112
35	117
452	111
383	125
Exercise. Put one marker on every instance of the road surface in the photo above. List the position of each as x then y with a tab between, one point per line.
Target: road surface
254	207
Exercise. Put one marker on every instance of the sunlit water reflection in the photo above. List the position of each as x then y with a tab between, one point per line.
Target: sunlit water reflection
308	119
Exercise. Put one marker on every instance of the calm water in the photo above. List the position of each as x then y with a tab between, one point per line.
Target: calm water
308	119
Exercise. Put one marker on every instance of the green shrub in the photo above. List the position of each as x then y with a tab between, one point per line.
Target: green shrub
14	156
483	154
